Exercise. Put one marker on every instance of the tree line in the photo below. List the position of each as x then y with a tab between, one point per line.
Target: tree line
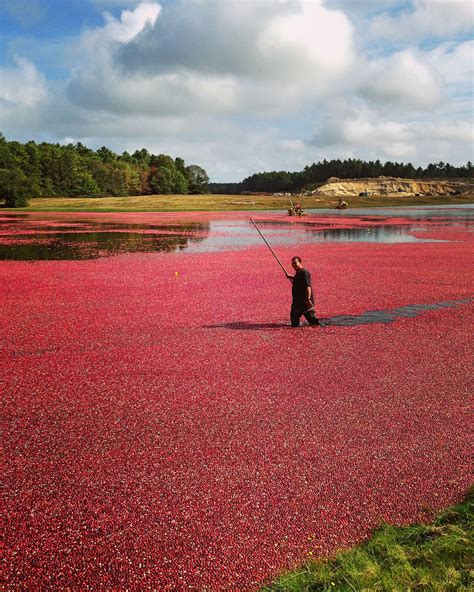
48	170
317	173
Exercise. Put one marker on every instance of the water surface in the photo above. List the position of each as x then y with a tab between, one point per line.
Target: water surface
36	236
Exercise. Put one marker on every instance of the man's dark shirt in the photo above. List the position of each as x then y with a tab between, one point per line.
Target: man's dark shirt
301	281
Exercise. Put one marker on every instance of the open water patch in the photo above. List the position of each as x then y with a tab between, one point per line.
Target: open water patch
31	237
389	316
368	317
414	212
39	240
226	236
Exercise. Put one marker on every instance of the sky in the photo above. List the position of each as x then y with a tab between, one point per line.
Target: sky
242	86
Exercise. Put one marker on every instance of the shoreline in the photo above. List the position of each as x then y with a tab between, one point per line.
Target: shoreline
213	203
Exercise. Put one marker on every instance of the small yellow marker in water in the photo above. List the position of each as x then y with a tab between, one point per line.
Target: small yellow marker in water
176	274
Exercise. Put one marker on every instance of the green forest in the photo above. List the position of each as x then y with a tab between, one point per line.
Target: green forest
352	168
48	170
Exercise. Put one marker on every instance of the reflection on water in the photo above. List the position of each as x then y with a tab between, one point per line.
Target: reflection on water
62	236
419	212
34	239
388	233
91	245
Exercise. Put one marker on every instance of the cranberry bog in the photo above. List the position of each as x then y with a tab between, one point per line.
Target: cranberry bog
166	429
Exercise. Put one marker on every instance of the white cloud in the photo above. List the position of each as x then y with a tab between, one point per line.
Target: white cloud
314	41
363	130
403	80
393	139
367	135
274	41
213	57
427	19
454	131
251	150
21	86
293	146
209	37
237	86
167	95
117	31
131	22
454	62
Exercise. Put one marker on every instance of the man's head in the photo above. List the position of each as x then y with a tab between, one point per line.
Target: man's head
296	263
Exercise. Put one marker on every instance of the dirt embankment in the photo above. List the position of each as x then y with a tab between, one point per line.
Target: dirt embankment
393	186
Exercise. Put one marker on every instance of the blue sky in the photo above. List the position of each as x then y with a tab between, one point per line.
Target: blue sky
240	86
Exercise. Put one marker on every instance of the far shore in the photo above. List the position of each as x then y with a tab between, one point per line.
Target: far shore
214	202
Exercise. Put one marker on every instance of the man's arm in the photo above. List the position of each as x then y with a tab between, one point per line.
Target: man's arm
290	277
308	291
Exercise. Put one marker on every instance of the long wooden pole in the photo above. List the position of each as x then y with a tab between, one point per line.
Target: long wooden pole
266	242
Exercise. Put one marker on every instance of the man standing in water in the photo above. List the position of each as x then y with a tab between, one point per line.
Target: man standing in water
302	293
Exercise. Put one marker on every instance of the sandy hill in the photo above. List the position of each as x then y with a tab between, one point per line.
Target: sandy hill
392	186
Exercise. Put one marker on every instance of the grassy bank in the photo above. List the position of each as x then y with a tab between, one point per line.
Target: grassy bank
436	557
182	203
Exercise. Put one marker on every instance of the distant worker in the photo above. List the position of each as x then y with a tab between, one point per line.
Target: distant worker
302	295
341	205
295	209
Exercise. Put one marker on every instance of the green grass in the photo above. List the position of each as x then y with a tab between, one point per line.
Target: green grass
186	203
436	557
